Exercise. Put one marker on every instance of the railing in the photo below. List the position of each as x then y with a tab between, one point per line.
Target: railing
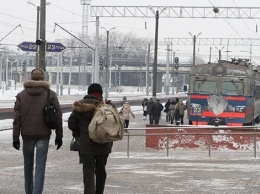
254	133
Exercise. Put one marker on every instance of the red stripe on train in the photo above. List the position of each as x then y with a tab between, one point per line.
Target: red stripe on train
225	97
224	114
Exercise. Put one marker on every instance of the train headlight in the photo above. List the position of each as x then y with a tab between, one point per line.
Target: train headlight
219	69
240	109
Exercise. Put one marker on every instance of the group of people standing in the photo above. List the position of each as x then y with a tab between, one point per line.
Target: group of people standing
152	109
174	110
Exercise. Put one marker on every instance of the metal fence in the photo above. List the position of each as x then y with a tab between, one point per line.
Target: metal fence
249	130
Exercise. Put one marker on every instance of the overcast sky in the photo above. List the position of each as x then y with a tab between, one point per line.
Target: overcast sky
68	14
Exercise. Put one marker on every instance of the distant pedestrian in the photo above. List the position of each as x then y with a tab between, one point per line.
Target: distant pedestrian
126	111
123	101
166	110
94	155
29	122
157	111
150	110
172	111
181	107
177	112
144	105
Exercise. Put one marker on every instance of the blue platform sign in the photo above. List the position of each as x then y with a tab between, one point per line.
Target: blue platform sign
28	46
54	47
50	47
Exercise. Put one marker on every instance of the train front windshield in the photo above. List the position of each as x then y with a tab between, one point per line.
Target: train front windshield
226	87
232	88
205	87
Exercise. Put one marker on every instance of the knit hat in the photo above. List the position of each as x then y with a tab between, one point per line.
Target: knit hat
37	74
95	88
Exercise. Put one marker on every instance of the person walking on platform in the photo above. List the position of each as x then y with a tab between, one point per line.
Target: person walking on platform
29	122
124	100
144	105
181	107
150	110
172	111
166	110
157	111
177	119
94	155
126	111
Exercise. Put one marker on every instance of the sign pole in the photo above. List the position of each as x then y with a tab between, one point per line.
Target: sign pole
42	46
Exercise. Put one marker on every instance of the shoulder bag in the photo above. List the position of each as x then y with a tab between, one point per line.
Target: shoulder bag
74	144
49	112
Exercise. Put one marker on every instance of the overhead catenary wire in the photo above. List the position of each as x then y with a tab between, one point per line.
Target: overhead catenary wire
11	32
73	36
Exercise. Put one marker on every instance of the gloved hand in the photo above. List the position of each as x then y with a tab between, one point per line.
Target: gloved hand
16	145
58	142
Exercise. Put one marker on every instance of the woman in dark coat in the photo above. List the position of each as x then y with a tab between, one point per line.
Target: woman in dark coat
157	111
94	154
150	110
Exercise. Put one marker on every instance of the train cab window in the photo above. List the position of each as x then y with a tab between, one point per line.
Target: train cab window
232	88
205	87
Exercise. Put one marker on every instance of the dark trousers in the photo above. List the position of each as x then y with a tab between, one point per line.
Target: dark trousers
94	165
156	119
168	117
151	118
181	119
126	124
172	119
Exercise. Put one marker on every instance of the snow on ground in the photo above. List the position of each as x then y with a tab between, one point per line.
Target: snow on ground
184	171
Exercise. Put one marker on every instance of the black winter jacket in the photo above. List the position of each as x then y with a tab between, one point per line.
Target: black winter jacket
79	121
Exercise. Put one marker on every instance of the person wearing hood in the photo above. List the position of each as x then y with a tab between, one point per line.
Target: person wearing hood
29	122
126	111
94	155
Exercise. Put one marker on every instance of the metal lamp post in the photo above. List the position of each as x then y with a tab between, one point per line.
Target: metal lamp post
194	46
219	52
147	71
6	74
37	29
107	62
157	14
42	46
